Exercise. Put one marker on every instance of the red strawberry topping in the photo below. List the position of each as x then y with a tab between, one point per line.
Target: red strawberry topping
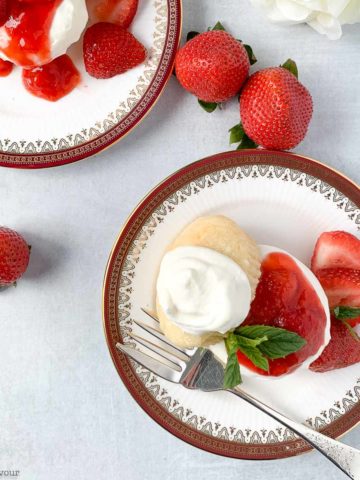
110	50
213	66
53	80
285	299
3	12
14	256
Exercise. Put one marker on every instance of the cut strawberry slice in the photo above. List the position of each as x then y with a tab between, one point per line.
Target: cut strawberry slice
342	351
120	12
336	249
341	285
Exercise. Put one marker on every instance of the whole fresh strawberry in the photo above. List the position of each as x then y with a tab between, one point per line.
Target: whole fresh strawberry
14	256
121	12
213	66
275	108
342	351
110	50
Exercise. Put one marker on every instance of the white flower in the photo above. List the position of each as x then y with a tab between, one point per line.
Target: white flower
325	16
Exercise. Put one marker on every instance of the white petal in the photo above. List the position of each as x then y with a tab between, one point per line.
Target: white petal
293	10
351	14
327	25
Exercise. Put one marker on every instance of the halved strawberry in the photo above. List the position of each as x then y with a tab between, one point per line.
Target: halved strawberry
341	285
336	249
342	351
120	12
110	50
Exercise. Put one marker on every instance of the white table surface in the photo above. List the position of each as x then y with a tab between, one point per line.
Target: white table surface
64	413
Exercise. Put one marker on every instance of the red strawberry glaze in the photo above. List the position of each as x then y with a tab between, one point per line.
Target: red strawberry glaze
28	30
5	68
53	80
284	298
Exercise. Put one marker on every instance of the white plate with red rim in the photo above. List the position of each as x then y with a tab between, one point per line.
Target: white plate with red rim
36	133
280	199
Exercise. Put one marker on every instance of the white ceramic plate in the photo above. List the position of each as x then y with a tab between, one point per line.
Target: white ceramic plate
36	133
279	199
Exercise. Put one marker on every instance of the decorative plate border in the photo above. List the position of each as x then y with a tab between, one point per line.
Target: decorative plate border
317	176
55	152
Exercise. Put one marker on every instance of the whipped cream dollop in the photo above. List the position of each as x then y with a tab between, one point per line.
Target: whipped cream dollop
201	290
68	23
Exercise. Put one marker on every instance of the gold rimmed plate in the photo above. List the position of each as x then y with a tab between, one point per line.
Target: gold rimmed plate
281	199
37	134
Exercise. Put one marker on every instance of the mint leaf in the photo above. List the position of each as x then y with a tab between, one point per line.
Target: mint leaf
208	106
343	313
249	342
251	54
246	142
237	133
232	375
255	355
280	342
291	66
191	35
218	26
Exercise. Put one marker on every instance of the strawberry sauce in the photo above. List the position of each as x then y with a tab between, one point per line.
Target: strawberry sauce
5	68
53	80
25	37
284	298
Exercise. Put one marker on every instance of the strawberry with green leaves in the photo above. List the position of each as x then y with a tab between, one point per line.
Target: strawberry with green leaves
275	110
213	66
14	256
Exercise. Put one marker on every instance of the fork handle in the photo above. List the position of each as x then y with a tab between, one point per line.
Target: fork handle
344	457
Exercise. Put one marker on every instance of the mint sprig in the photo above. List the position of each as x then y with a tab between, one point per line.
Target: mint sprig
258	343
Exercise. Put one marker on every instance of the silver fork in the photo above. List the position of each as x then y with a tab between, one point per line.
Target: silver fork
199	369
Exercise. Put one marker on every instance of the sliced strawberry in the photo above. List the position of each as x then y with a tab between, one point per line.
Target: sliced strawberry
341	285
3	12
110	50
120	12
342	351
336	249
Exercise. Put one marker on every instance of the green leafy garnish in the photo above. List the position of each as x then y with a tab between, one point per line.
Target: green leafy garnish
238	135
251	54
344	314
218	26
258	343
191	35
208	106
291	66
280	342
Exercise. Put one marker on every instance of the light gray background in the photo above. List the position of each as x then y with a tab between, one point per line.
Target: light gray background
64	413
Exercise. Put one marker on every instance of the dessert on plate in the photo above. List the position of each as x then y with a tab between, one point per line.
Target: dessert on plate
36	34
217	287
